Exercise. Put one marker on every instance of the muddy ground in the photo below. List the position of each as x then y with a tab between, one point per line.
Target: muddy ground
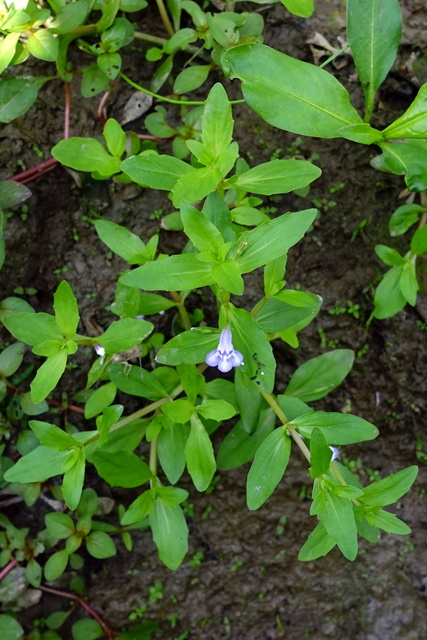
245	581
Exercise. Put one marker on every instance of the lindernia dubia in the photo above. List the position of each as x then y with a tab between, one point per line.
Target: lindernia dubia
225	357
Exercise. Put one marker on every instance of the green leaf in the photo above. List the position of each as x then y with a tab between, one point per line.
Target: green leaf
94	81
110	64
218	410
319	376
17	95
48	376
10	629
290	94
87	629
388	298
388	255
338	428
227	276
191	78
12	193
403	218
30	408
374	28
43	45
389	490
59	525
32	328
175	273
248	338
56	565
140	508
171	445
288	309
66	310
268	467
124	334
413	123
217	211
136	381
277	176
110	416
196	185
202	233
408	159
178	410
249	403
170	533
172	496
56	620
8	50
338	519
86	154
100	545
217	122
271	239
419	241
69	17
72	483
320	454
408	283
10	359
33	573
38	465
318	544
52	436
115	138
301	8
155	171
362	133
199	454
126	244
100	399
189	347
389	522
238	447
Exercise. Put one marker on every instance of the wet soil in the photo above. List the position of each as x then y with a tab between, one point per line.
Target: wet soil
241	578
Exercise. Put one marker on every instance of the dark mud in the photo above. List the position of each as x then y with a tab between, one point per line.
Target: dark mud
242	579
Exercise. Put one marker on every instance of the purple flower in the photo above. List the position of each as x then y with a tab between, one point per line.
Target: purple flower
225	357
335	453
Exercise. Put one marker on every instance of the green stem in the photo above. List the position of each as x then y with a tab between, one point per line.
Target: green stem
333	56
165	18
147	37
171	100
153	456
181	309
259	305
284	420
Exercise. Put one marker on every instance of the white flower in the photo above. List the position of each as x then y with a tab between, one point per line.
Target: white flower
225	357
99	350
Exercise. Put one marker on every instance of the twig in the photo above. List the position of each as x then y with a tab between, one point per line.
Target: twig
11	565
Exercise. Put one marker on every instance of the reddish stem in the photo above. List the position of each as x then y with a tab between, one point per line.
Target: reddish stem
12	564
47	165
72	596
54	403
35	172
101	112
67	110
